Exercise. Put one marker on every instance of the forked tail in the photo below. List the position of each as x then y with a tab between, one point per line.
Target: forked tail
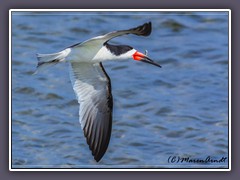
46	60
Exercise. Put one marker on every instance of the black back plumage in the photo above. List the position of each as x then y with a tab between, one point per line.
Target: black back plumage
117	49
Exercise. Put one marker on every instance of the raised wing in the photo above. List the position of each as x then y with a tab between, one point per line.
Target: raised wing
92	87
143	30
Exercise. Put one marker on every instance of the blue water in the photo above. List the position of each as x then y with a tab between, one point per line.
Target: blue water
179	110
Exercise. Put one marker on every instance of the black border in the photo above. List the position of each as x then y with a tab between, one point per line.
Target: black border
5	5
138	168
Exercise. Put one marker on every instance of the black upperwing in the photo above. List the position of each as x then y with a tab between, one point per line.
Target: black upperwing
143	30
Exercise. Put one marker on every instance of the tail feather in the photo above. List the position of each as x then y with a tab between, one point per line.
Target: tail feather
46	60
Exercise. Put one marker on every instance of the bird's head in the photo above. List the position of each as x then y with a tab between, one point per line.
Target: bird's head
138	56
111	52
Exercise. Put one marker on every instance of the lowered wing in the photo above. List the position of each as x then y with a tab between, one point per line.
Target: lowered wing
92	87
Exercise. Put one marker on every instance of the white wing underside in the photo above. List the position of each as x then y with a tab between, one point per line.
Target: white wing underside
93	90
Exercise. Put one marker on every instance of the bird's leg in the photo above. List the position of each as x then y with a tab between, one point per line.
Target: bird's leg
146	52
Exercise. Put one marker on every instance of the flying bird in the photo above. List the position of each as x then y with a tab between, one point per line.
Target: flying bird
91	83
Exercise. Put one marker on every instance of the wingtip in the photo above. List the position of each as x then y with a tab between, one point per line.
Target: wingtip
98	155
97	159
146	28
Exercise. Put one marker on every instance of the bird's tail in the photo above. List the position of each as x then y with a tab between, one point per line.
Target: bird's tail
47	60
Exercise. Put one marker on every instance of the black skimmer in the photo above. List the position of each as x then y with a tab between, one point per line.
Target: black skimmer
91	83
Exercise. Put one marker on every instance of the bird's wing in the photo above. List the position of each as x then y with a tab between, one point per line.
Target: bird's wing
143	30
92	87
